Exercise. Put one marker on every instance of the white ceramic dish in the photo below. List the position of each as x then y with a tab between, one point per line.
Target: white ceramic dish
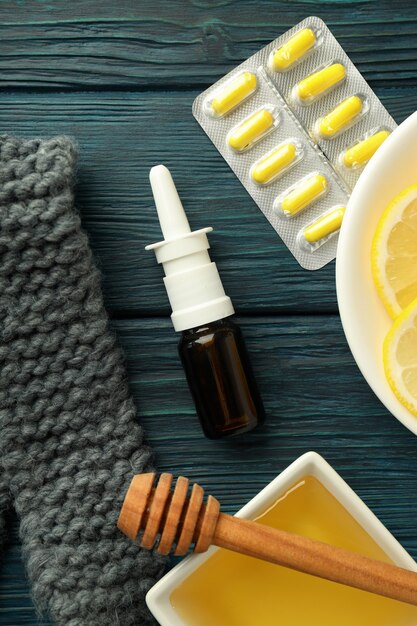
158	598
363	315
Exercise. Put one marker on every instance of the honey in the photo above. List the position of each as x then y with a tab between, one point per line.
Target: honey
230	589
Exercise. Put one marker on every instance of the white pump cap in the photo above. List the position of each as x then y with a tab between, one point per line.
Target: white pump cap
192	281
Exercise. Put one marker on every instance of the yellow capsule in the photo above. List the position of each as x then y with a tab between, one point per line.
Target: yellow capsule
304	194
233	93
361	153
326	225
340	117
274	163
252	129
293	50
320	82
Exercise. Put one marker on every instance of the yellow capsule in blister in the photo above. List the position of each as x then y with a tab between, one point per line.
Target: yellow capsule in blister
340	117
304	193
293	50
360	153
274	163
324	226
250	130
319	83
233	93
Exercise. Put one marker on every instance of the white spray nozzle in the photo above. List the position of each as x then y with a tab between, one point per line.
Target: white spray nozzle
171	213
192	281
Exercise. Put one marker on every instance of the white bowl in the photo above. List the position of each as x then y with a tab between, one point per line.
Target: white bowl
364	319
310	464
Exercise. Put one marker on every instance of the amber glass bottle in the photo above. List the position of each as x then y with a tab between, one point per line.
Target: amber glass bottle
220	378
213	352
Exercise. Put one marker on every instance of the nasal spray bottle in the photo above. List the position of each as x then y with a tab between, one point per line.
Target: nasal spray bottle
211	348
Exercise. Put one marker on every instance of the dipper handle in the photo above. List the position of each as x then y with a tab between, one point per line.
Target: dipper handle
315	558
175	519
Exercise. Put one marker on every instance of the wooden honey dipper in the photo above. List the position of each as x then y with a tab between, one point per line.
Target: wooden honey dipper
175	520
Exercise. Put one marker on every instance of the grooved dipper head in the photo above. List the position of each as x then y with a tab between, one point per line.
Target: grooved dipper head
166	518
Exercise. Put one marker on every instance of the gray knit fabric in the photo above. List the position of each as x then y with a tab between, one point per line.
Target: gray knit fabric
69	442
4	507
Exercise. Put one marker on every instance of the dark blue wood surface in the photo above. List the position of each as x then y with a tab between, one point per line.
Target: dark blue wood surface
120	77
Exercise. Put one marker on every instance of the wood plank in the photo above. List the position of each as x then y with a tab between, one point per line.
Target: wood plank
176	43
315	398
314	394
120	136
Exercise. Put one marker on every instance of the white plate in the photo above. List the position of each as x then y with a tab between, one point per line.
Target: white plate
363	315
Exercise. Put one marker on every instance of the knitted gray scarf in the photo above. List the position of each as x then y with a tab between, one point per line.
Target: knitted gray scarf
69	442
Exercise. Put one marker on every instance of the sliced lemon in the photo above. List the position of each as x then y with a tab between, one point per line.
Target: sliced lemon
400	357
394	252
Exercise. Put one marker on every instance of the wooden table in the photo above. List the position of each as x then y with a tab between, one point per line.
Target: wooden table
120	77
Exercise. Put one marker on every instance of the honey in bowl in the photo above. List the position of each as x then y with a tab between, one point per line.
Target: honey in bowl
231	589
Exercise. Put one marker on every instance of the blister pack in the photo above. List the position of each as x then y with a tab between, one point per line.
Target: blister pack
297	123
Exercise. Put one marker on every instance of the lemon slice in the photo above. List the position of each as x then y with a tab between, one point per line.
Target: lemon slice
400	357
394	252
